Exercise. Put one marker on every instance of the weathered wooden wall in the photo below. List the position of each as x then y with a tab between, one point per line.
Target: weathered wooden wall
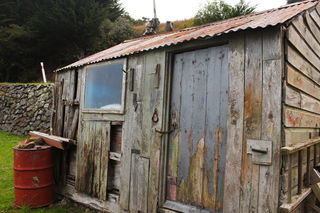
301	110
254	112
65	123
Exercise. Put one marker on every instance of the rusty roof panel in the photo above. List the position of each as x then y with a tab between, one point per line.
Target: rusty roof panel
257	20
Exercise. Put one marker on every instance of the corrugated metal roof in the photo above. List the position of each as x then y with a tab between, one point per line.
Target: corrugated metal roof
257	20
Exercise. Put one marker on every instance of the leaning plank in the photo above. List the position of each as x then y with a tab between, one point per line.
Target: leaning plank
303	48
301	82
306	35
299	146
52	140
235	125
316	190
297	200
301	118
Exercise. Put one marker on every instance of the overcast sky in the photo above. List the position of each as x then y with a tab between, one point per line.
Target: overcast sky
171	10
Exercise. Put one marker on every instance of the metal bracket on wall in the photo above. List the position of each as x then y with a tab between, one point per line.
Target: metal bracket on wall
261	151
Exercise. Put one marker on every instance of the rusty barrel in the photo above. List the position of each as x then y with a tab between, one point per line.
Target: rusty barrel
33	177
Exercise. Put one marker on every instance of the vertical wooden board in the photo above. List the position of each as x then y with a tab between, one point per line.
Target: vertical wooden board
252	120
222	138
212	127
133	184
297	61
271	122
236	56
130	132
302	47
104	160
185	119
157	96
139	184
143	181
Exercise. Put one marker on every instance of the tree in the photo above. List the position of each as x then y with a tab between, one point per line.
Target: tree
220	10
293	1
57	32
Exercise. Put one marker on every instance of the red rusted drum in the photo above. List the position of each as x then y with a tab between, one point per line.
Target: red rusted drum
33	177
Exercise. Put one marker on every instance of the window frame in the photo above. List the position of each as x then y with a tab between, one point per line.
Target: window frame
123	92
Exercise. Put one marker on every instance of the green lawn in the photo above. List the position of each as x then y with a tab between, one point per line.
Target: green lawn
7	142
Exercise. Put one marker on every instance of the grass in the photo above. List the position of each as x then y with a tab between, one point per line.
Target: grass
7	142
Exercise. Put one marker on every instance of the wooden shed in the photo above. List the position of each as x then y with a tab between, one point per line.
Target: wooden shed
222	117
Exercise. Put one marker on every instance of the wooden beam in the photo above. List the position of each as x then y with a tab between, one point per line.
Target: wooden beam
296	147
297	200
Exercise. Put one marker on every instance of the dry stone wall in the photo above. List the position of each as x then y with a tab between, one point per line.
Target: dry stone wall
25	107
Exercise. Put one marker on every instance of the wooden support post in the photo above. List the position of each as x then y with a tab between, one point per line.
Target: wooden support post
289	177
314	155
308	166
299	171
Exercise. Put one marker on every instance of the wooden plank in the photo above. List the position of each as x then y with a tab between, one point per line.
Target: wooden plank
313	27
314	15
297	200
296	135
271	121
297	61
139	183
300	118
301	82
104	159
235	124
302	47
316	190
292	97
310	104
131	130
252	120
300	146
306	34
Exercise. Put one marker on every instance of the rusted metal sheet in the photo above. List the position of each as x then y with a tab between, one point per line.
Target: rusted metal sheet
258	20
199	109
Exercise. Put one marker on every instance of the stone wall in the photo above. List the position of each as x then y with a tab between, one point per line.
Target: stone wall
25	107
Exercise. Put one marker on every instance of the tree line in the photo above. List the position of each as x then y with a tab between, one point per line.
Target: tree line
59	32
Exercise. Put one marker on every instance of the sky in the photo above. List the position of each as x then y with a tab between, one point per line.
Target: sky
171	10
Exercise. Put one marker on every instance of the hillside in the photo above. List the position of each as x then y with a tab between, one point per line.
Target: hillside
177	25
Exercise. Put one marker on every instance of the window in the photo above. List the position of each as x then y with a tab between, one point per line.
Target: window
103	89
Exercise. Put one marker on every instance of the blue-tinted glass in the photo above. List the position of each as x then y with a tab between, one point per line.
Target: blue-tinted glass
104	87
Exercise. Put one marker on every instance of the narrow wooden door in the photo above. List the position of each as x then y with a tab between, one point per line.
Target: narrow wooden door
196	152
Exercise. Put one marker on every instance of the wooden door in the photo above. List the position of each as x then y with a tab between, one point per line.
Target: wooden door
196	152
93	158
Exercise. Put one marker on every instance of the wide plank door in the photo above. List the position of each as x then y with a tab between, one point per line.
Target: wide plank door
196	152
